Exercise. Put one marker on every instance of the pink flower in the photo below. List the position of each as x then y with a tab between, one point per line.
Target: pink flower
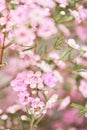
23	97
29	58
64	103
34	80
18	84
81	32
24	36
36	108
69	117
45	67
42	13
76	15
83	88
16	65
49	79
2	6
20	15
48	29
50	103
82	12
72	43
79	14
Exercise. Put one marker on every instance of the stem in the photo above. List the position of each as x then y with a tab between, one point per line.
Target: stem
65	53
45	55
2	50
36	43
31	124
4	27
39	120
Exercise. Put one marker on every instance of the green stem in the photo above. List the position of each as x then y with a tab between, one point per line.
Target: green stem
32	124
65	53
39	120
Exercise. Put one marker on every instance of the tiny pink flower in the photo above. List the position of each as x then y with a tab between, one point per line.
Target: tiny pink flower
64	103
72	43
24	36
83	88
19	15
49	79
18	84
50	103
34	80
48	29
23	97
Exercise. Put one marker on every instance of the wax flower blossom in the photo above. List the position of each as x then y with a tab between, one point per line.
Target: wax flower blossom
81	32
29	58
36	107
24	36
83	88
50	79
50	103
79	14
34	80
29	85
18	83
42	13
48	29
2	3
19	13
72	43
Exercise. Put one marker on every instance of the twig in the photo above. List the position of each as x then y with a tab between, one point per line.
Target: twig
2	50
36	43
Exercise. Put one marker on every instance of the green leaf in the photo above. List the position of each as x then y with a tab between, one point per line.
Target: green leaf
1	14
78	67
67	52
45	49
82	109
14	5
64	19
82	52
58	42
28	49
21	123
78	106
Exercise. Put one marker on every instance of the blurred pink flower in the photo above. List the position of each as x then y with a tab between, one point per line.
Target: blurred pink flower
18	84
81	32
48	29
49	79
24	36
83	88
65	102
72	43
20	15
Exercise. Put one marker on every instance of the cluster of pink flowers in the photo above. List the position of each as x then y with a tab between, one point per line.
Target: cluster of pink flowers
79	14
30	86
